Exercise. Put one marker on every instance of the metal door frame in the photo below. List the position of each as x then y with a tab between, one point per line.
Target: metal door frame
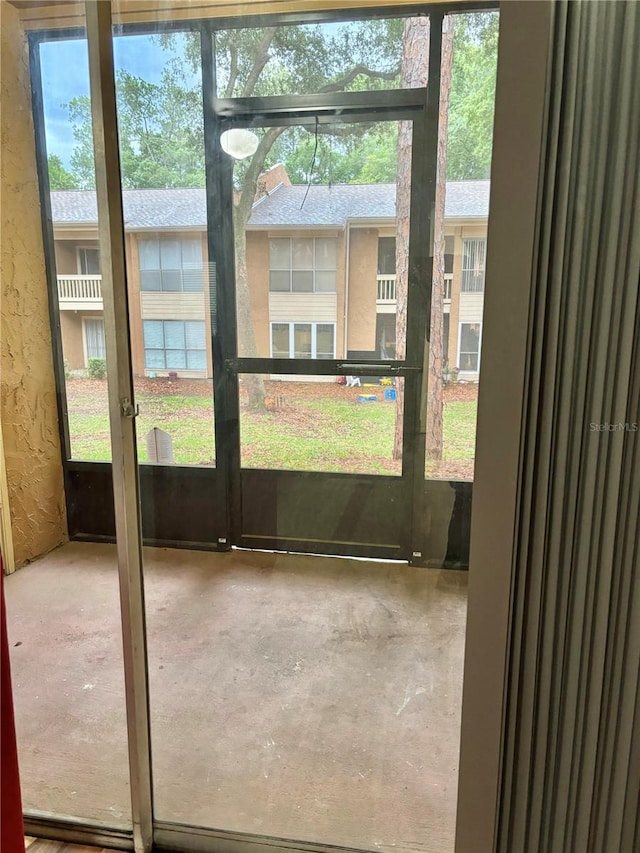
202	521
420	106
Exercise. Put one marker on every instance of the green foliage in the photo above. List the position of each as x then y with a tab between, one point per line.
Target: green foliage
357	154
97	368
161	125
309	58
59	177
82	161
161	132
475	56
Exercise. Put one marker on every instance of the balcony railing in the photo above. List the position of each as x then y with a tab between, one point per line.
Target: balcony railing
80	291
387	289
448	281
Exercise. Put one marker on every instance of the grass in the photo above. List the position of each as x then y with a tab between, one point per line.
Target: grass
188	420
459	429
312	432
327	435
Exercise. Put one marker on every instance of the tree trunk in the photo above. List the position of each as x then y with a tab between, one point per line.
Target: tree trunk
242	211
415	72
436	343
246	333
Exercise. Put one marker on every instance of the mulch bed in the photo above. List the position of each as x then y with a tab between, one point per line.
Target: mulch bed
459	392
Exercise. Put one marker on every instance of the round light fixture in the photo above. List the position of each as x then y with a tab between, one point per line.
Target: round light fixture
239	143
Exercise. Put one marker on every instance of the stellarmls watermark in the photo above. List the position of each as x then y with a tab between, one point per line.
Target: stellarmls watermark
621	426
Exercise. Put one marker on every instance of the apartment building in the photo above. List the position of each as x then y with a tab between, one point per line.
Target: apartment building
321	271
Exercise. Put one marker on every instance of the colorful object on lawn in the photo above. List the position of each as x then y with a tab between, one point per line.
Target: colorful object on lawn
390	394
367	398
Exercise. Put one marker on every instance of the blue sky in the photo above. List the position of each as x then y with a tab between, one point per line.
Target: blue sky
65	75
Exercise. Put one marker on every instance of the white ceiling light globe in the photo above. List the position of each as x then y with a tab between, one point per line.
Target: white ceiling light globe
239	143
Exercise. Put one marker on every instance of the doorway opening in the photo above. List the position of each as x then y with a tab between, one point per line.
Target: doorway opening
280	308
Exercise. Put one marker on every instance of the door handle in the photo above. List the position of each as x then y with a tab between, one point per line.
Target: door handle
377	369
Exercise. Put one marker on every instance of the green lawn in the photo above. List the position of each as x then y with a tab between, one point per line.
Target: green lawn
187	419
311	432
322	435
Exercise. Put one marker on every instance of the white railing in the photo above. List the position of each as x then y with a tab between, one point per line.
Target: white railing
386	288
448	281
80	288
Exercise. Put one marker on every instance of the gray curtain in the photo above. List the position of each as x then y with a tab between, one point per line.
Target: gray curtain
571	773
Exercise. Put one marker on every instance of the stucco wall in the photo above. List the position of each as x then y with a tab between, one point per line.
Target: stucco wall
454	313
258	275
66	257
72	341
28	397
363	270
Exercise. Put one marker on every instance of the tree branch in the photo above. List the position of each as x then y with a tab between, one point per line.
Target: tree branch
233	70
340	84
262	57
256	167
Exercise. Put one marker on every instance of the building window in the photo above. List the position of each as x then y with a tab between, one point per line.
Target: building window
386	255
474	253
469	350
171	265
303	340
446	325
94	338
174	345
449	248
448	284
303	265
88	261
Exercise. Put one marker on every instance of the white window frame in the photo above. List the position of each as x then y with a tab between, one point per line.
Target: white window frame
459	352
314	339
186	350
464	269
313	271
85	347
84	248
448	287
181	240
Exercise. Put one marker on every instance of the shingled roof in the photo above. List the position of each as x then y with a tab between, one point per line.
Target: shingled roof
324	206
155	209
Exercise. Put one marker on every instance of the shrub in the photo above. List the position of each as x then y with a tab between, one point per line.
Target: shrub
97	368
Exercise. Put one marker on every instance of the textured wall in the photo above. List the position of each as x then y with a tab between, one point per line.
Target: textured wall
363	271
258	275
28	397
72	343
66	257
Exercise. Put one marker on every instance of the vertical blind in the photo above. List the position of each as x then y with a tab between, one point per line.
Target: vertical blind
94	331
571	774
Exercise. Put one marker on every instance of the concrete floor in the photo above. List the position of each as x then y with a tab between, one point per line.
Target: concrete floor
291	696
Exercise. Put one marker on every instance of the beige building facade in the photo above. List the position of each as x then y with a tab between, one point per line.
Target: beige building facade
320	282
